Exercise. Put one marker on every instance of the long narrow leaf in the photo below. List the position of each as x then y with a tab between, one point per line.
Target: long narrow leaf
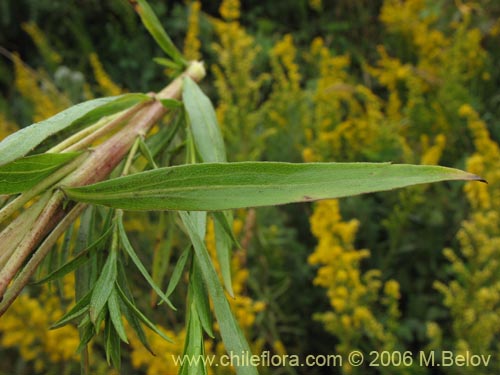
177	272
153	25
81	258
22	174
233	338
221	186
199	295
23	141
81	307
224	244
135	259
103	287
140	315
206	132
116	315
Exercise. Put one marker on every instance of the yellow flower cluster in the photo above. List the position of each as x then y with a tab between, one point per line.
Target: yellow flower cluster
230	10
25	326
473	296
348	117
45	99
317	5
484	162
6	127
162	362
50	56
192	43
106	85
432	154
353	294
237	87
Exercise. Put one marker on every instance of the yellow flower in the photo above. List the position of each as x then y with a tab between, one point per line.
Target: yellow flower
192	43
107	86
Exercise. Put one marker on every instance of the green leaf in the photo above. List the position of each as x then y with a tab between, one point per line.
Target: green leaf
22	174
81	258
221	186
80	308
135	259
147	153
223	245
120	103
199	295
141	316
23	141
193	346
87	332
153	25
116	315
103	287
177	272
166	62
171	103
233	338
206	132
113	345
128	312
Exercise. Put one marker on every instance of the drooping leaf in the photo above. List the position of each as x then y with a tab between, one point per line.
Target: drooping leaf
116	315
221	186
23	141
206	132
199	295
153	25
80	308
135	259
223	245
147	153
129	314
113	348
103	287
233	338
24	173
141	316
193	345
81	258
177	272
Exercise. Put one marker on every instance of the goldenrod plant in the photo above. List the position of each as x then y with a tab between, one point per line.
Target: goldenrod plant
73	181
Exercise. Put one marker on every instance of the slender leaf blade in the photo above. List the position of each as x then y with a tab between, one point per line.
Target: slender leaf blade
103	287
177	272
135	259
24	173
81	258
141	316
206	132
81	307
221	186
233	338
153	25
23	141
223	245
199	295
116	315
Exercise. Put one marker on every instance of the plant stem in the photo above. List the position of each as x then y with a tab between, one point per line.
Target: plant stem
23	278
42	225
17	229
